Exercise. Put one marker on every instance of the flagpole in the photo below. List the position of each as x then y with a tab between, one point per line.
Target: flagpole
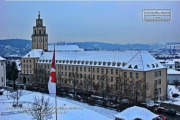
56	106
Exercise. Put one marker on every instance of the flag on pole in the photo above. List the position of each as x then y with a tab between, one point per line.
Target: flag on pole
52	77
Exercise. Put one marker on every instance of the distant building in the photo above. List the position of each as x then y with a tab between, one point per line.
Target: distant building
173	75
136	66
171	63
2	71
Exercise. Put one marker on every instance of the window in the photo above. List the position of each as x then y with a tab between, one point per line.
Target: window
131	75
97	70
116	71
102	70
30	66
69	67
118	64
99	63
27	71
111	79
159	73
111	71
89	76
97	77
137	75
114	63
1	79
155	74
62	67
125	74
30	61
159	81
91	62
93	69
76	68
39	31
106	71
93	77
170	67
80	69
95	63
84	69
159	91
30	71
78	62
104	63
26	66
109	63
89	69
27	61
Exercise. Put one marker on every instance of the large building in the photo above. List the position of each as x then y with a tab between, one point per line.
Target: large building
116	68
2	71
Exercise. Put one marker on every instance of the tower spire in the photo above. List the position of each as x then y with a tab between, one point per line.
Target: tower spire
39	15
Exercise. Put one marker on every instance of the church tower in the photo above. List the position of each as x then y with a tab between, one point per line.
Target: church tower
39	36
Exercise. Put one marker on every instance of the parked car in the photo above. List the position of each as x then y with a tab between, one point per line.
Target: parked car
160	117
159	109
170	111
111	105
99	102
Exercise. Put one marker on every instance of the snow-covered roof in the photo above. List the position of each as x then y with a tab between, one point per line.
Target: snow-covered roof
130	60
35	53
1	58
136	112
172	71
64	48
169	61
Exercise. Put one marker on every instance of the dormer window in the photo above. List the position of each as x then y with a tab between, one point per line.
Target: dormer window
104	63
114	63
124	64
46	60
74	61
71	61
60	61
49	60
91	62
67	61
63	61
82	62
156	65
118	64
99	63
87	62
130	66
109	63
135	67
56	61
153	66
78	62
95	63
148	66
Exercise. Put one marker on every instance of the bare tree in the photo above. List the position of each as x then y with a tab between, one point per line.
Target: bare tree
41	109
103	85
16	95
41	77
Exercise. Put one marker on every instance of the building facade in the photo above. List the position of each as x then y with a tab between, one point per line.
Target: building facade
2	71
99	70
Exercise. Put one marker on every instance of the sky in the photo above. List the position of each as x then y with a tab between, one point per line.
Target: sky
88	21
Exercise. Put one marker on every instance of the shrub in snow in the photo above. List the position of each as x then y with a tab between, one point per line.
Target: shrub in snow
41	109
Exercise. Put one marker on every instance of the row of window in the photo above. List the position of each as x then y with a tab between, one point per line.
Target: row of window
86	62
131	75
27	61
27	66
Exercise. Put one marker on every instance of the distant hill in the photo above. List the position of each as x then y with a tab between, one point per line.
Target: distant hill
17	47
21	47
109	46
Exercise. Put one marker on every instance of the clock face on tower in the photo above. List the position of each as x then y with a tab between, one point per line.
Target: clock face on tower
40	40
34	40
46	40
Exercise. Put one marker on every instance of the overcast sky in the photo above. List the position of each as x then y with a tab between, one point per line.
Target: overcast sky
111	22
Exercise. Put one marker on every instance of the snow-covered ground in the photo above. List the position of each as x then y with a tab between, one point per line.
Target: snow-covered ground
82	111
171	90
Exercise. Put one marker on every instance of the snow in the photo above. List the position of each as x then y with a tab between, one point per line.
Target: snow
1	58
136	112
171	90
64	48
172	71
80	111
142	59
35	53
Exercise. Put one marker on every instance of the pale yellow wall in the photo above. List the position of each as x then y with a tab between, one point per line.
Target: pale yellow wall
150	78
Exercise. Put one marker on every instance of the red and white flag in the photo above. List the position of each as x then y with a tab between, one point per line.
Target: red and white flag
52	77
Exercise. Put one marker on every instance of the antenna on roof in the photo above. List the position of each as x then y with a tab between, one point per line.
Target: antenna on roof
39	15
